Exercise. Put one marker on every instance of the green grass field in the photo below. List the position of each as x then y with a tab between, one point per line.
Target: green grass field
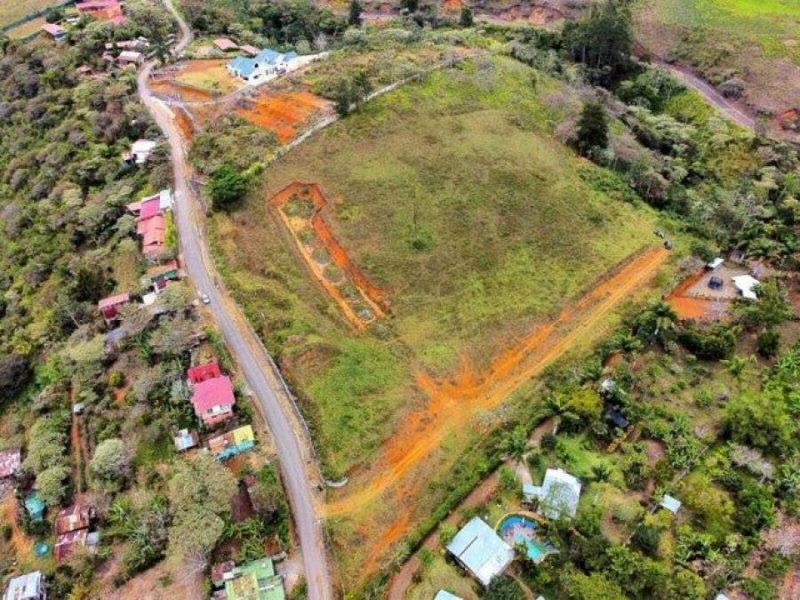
454	198
755	40
12	11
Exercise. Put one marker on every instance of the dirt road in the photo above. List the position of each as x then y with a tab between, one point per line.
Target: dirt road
453	403
255	363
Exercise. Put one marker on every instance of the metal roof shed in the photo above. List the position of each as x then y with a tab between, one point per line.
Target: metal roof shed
481	551
445	595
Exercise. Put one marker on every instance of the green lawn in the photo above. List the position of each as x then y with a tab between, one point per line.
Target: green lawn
12	11
452	196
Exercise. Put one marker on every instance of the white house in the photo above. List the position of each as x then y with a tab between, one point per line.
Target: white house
262	66
481	551
745	285
141	149
558	495
672	504
26	587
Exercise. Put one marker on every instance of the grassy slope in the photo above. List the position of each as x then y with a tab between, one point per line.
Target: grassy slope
513	229
11	11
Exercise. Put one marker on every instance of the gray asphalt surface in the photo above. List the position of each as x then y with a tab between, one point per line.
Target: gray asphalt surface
243	343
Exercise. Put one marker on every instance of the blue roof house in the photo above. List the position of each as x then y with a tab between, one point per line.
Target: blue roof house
261	67
481	551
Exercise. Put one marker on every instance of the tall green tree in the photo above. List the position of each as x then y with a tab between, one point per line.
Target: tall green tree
592	128
354	16
227	187
603	41
466	19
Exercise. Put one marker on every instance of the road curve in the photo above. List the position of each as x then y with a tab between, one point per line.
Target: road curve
243	343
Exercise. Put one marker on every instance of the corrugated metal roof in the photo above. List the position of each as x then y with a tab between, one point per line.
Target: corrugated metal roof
484	553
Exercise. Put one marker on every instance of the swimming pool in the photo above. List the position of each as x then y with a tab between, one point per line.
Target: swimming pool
516	530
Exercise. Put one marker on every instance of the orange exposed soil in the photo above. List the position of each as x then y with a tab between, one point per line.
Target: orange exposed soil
281	112
184	122
173	89
451	6
692	308
372	296
453	404
22	543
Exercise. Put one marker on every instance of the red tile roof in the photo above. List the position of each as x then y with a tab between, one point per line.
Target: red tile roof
212	392
9	462
96	4
149	207
225	44
114	301
248	49
203	372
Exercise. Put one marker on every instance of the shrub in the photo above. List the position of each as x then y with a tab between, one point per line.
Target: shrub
713	342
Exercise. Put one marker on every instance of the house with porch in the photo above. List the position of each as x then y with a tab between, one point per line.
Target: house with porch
229	444
212	394
482	552
266	64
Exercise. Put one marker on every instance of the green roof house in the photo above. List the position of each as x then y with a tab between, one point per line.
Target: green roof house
255	580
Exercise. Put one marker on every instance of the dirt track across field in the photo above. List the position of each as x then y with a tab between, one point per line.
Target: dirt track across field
453	404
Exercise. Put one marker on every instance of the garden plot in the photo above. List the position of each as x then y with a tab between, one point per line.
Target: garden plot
300	206
282	112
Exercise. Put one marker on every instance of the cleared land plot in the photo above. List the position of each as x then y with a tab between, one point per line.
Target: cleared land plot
208	75
285	113
26	29
756	40
496	254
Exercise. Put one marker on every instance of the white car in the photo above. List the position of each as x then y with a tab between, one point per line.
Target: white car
204	298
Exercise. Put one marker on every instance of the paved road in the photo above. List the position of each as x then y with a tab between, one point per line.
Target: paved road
244	345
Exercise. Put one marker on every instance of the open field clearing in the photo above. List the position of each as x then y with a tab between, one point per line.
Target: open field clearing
453	200
26	29
755	41
13	11
285	113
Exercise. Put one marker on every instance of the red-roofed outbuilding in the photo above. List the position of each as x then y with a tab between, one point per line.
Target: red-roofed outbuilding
110	306
201	373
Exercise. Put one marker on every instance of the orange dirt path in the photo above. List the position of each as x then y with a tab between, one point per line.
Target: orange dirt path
22	543
452	404
374	297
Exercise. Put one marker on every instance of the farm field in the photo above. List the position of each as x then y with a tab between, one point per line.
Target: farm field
495	256
749	39
13	11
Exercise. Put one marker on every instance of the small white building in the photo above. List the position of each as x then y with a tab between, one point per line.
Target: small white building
481	551
715	264
130	57
670	503
445	595
26	587
141	150
558	495
745	285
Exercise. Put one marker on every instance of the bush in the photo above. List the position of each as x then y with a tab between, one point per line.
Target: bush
768	343
227	187
714	342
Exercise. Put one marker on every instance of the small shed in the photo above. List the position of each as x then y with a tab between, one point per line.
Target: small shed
109	306
225	44
616	418
745	284
185	440
249	50
130	57
141	149
481	551
672	504
55	31
715	264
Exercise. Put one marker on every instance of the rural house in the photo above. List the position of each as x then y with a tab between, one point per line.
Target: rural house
229	444
255	580
481	551
445	595
130	57
746	284
212	394
35	507
249	50
160	275
26	587
185	440
55	31
103	10
558	495
224	44
140	149
9	462
262	66
110	306
72	530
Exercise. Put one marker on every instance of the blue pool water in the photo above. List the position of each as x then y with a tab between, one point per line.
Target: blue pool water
516	530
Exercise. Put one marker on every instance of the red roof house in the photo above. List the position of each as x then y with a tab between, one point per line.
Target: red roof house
248	49
106	10
73	518
153	232
9	462
213	400
110	306
201	373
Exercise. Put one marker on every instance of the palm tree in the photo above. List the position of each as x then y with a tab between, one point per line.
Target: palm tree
737	365
515	444
657	322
